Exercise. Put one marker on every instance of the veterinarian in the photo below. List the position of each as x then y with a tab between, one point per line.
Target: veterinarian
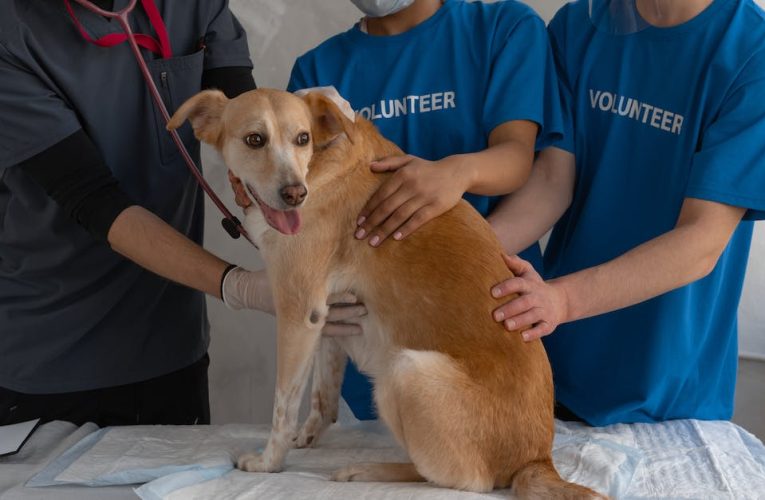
467	89
90	181
664	169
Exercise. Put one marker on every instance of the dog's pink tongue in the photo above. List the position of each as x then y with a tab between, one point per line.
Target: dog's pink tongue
286	222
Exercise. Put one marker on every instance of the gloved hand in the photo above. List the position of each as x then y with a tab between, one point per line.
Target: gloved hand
243	289
252	290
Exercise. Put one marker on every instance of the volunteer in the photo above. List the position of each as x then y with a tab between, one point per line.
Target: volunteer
664	168
467	89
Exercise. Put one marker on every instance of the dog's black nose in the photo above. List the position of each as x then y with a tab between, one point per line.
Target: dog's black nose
294	194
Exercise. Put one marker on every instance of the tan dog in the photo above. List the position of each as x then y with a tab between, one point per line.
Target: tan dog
471	403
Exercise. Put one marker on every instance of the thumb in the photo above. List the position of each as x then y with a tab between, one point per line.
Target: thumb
390	163
517	265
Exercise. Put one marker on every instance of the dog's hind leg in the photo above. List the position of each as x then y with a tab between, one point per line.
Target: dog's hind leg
328	370
430	404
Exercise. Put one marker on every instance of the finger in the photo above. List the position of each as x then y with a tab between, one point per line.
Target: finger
384	192
508	287
398	218
346	313
390	163
519	305
517	265
342	298
523	320
423	215
542	329
384	211
341	330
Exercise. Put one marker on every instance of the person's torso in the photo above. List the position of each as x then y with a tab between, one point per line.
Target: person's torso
641	105
62	292
425	89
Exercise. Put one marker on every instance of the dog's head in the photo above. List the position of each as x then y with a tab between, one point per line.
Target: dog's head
267	138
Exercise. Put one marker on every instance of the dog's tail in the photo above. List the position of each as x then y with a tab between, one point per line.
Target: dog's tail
540	480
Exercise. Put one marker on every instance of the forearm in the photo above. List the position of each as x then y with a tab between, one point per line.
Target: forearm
683	255
524	217
147	240
231	80
502	167
497	170
151	243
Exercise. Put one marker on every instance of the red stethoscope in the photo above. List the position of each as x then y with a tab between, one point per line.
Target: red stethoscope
160	46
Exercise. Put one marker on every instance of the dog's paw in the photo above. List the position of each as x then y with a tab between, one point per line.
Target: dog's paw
309	434
305	439
312	430
252	462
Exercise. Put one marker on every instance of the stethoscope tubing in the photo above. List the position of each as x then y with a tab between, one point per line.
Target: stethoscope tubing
230	223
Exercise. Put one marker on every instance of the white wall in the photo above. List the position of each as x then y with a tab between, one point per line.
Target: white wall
242	370
751	313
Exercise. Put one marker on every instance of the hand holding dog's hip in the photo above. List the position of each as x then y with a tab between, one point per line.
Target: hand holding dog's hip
537	307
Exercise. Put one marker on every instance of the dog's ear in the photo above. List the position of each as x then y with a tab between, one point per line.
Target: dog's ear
328	120
204	111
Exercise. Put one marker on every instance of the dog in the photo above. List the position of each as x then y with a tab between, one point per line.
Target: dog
471	403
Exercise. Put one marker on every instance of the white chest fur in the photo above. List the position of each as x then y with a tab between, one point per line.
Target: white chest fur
372	350
256	225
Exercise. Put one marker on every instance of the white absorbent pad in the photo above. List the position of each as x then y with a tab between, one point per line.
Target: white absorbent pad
607	466
680	459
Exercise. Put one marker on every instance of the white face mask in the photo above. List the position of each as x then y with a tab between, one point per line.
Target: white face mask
381	8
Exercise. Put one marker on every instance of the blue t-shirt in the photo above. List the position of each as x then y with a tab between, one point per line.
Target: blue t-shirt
440	88
657	116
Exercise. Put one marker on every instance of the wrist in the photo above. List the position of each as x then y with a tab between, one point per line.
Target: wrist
461	170
244	289
228	287
560	288
226	271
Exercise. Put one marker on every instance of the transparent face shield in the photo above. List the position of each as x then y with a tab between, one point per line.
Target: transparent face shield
620	17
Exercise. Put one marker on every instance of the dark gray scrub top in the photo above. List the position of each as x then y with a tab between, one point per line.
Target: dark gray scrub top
74	315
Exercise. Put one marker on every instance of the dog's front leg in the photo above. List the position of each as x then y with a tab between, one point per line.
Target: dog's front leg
297	340
328	371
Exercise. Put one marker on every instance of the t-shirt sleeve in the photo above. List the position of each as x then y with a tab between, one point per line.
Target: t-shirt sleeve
565	88
299	78
225	39
730	164
523	84
33	116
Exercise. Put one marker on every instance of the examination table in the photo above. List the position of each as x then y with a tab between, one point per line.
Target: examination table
678	459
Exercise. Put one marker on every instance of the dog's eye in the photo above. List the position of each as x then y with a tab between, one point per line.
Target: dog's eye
303	138
255	141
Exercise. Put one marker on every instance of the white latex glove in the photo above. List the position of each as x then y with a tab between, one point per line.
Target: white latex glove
334	96
243	289
252	290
